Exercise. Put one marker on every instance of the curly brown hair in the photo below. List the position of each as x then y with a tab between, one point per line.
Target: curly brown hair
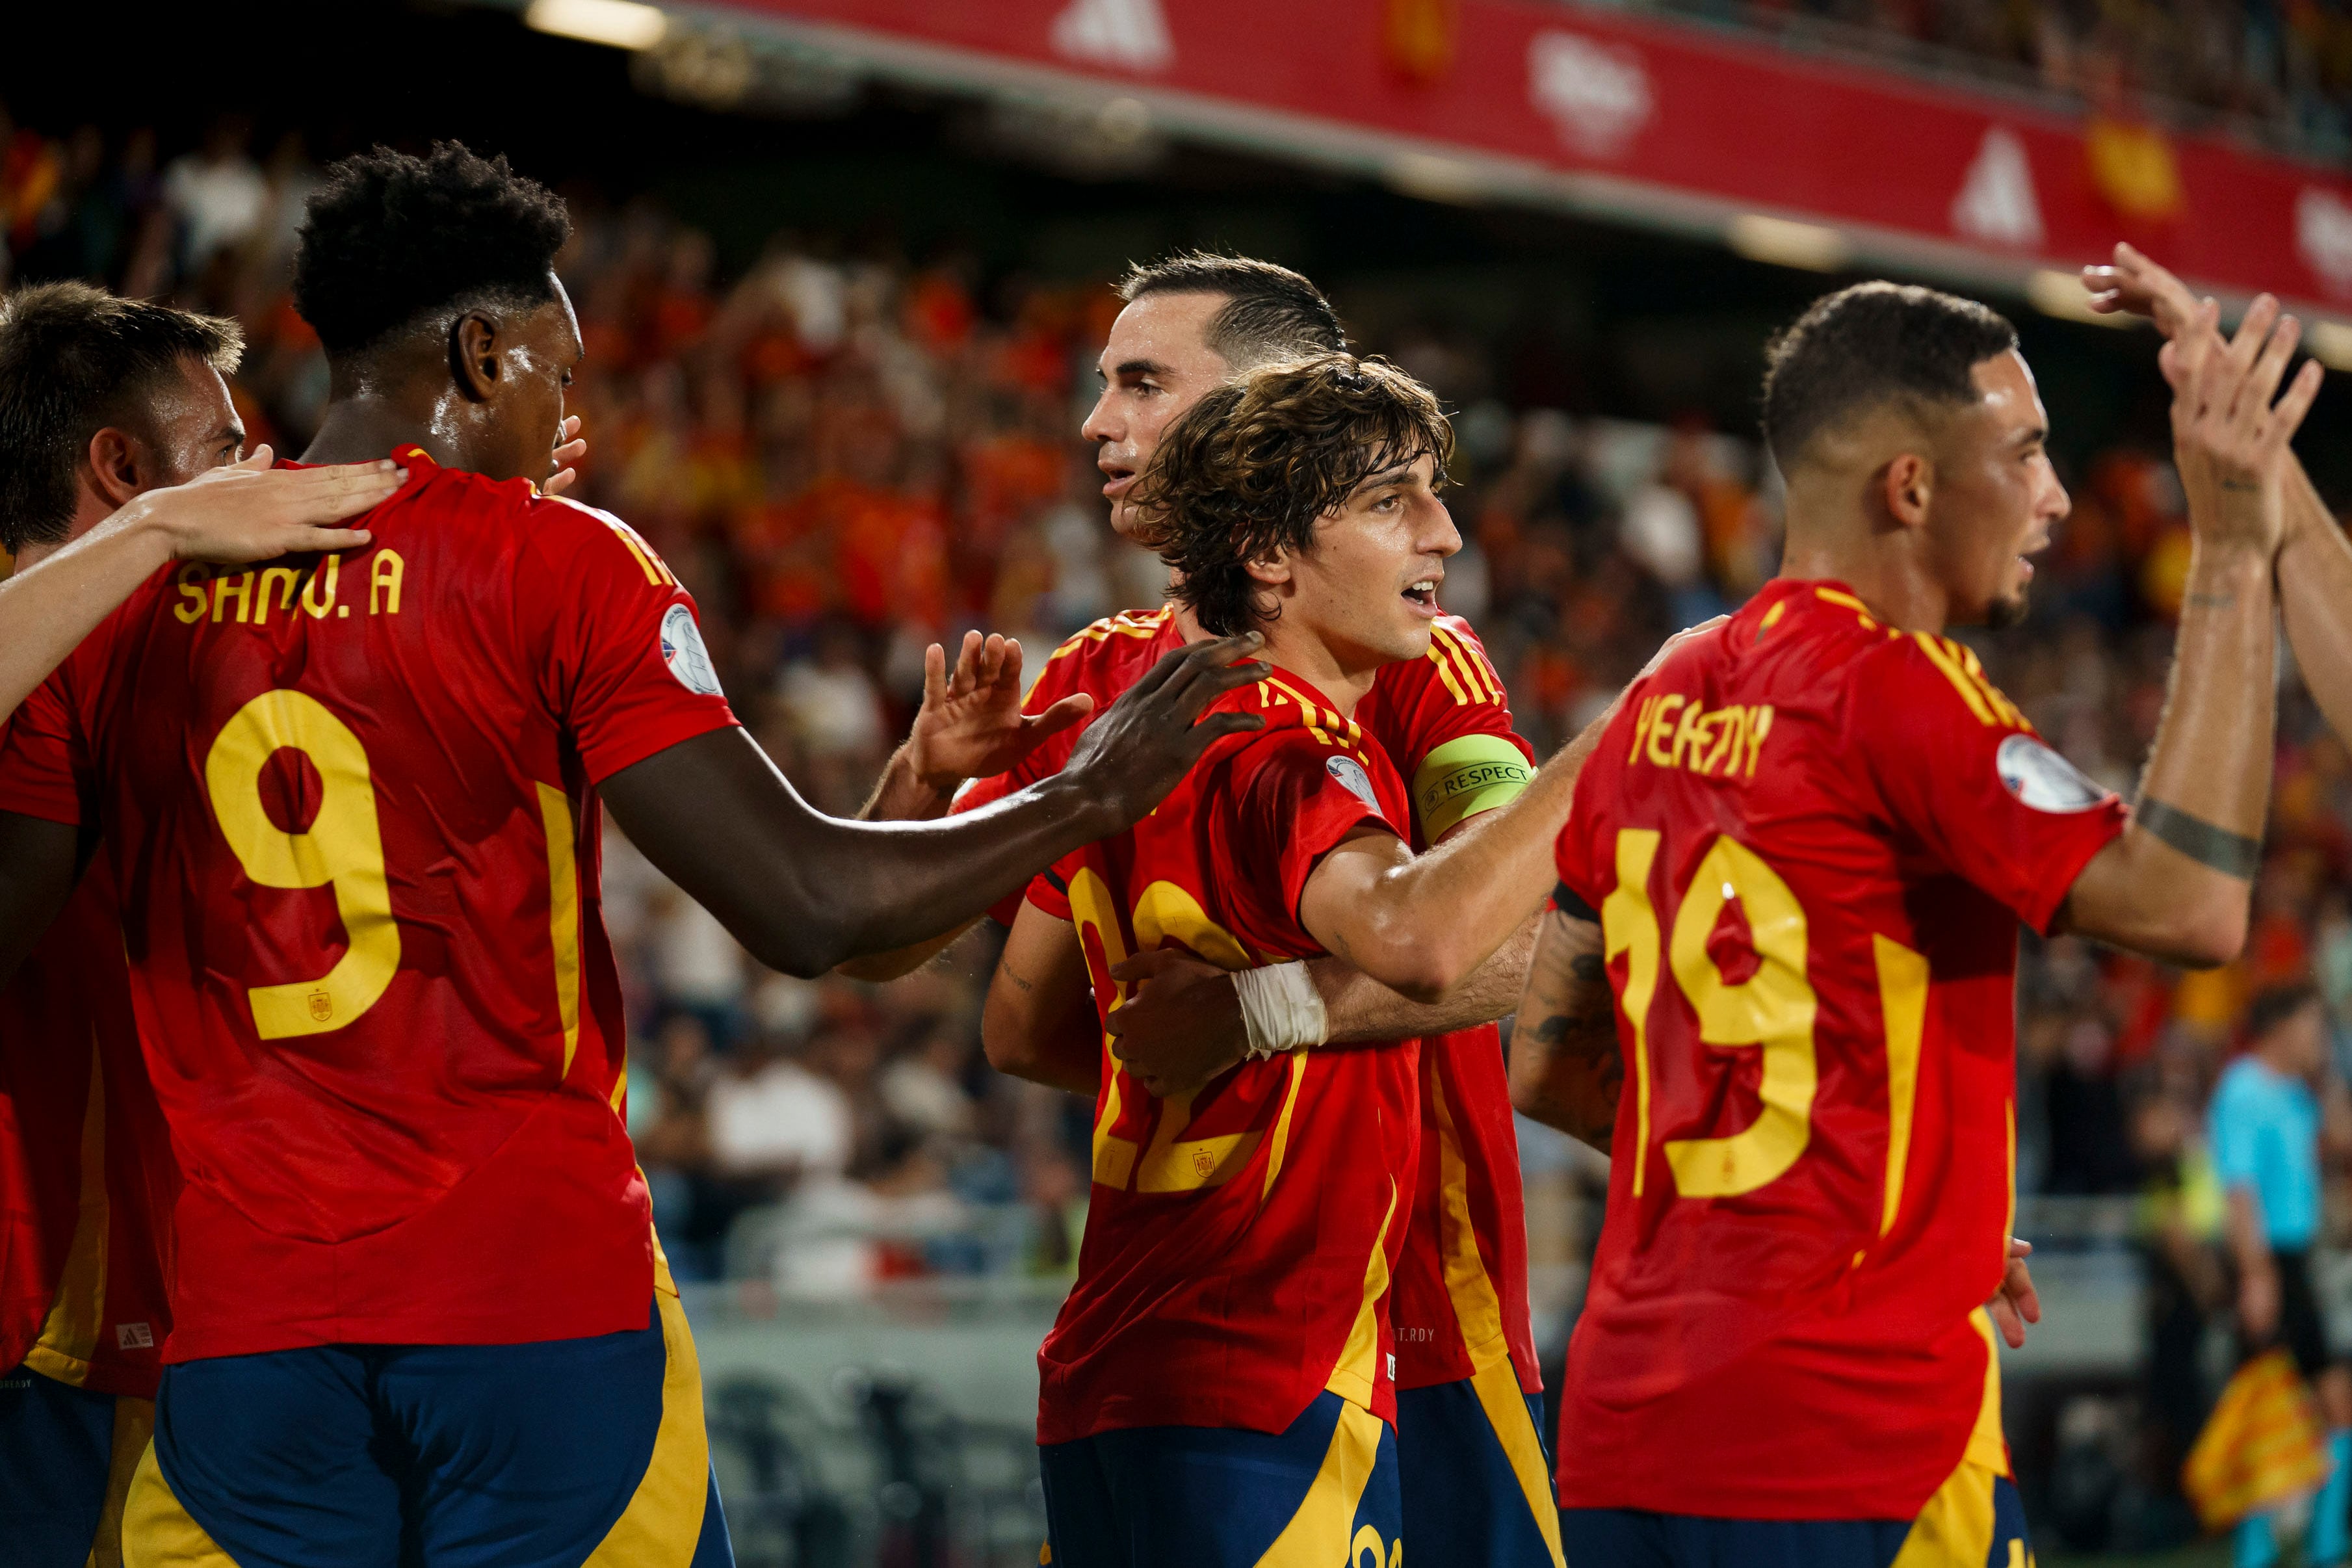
1251	467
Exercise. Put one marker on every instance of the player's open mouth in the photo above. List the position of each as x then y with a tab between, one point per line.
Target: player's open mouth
1118	483
1422	596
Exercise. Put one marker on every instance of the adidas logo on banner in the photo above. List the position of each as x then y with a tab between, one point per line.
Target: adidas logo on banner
1997	204
1129	34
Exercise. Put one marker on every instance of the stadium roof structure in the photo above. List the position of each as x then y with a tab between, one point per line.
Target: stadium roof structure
1789	158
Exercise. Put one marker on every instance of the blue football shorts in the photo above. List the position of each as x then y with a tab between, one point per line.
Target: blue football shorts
558	1454
55	1444
1974	1520
1476	1474
1320	1494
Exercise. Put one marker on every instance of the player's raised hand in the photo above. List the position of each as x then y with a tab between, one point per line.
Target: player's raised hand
1148	741
573	448
2230	436
971	725
251	511
2016	1302
1180	1025
2136	286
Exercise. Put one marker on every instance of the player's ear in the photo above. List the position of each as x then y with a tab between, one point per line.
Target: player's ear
113	468
474	355
1908	483
1273	569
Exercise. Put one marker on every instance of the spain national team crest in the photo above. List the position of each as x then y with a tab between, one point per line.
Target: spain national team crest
322	1006
682	650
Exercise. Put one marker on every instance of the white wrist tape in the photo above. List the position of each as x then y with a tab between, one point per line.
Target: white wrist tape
1280	1008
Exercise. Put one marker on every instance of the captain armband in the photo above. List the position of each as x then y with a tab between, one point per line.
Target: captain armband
1281	1009
1466	775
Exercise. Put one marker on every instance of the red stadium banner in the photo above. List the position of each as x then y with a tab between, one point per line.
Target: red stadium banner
1670	122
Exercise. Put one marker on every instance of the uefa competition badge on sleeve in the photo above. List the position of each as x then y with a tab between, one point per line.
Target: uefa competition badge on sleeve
2043	779
682	650
1355	780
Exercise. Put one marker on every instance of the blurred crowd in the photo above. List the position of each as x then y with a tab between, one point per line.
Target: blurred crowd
848	455
2278	70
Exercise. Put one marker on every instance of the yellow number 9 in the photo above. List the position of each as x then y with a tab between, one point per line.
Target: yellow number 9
344	847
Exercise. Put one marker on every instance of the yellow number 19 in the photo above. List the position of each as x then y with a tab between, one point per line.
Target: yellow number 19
1772	1010
341	849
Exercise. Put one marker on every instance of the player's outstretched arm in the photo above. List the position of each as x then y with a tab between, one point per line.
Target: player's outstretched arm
1183	1023
248	512
2314	564
970	726
1423	925
803	891
2175	884
1039	1021
1567	1066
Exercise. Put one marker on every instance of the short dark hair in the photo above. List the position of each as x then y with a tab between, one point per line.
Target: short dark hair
1270	312
73	361
2274	1005
1252	466
1871	344
391	239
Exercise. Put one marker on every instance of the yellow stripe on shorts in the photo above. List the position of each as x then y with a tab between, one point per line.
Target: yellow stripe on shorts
1317	1535
663	1522
157	1532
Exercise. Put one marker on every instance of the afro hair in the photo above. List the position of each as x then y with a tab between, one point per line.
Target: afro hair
391	238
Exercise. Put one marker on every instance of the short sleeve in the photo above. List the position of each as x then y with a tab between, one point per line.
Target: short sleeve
617	647
1049	890
1958	769
1300	800
1445	722
45	768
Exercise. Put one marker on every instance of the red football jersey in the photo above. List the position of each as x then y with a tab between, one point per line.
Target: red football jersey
86	1179
1810	838
1459	1299
351	806
1238	1245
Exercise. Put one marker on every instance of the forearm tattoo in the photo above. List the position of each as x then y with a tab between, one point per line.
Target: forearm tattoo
1586	1035
2231	854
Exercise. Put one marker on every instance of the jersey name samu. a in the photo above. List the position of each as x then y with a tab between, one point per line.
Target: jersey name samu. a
349	801
86	1178
1810	838
1238	1244
1459	1299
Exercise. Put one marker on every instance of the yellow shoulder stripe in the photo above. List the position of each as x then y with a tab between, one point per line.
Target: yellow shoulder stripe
656	571
1958	665
1831	597
1476	676
1943	660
